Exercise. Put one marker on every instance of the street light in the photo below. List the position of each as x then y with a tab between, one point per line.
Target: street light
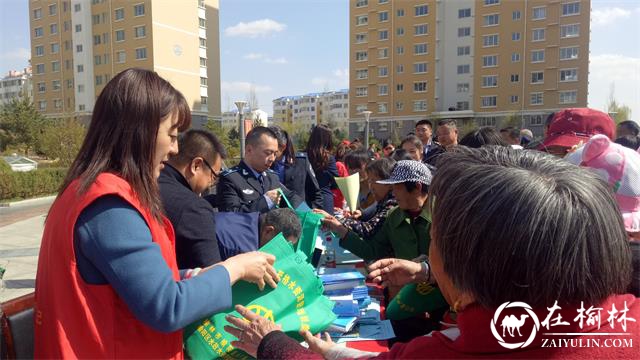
366	114
240	105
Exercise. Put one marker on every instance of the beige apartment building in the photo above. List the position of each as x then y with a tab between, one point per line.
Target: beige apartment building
77	46
483	62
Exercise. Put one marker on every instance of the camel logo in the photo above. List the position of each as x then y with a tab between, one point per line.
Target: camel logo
262	311
511	325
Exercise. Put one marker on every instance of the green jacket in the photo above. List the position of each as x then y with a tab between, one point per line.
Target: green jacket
399	237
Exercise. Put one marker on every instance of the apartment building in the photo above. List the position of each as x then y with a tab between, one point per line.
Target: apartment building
77	46
15	85
331	107
483	62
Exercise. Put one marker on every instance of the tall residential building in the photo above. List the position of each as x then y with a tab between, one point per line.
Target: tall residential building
77	46
16	84
483	62
331	108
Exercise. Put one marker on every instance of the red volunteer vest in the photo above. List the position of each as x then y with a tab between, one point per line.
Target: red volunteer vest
74	319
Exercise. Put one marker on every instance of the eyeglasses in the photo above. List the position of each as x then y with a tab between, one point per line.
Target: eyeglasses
215	174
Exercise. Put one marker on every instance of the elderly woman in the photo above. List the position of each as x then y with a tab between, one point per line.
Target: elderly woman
508	227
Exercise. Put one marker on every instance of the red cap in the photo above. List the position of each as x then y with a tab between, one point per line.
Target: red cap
346	142
570	126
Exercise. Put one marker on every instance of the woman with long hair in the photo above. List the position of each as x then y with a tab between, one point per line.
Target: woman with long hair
319	150
108	285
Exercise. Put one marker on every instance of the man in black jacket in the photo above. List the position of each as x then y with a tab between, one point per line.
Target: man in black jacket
184	177
252	186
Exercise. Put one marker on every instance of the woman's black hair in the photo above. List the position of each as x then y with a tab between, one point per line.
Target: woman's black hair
485	135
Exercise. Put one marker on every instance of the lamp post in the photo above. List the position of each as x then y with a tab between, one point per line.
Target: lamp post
366	114
240	105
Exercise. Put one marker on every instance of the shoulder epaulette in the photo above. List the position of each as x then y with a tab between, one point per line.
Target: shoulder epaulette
301	155
229	171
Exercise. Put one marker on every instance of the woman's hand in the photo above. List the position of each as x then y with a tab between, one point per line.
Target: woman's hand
316	344
249	332
330	223
255	267
395	272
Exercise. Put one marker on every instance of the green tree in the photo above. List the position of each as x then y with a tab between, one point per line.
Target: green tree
229	137
21	125
618	111
61	139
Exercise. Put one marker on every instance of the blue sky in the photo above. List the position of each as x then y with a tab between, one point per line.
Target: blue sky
291	47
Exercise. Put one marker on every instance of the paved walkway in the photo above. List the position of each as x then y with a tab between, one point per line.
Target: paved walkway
21	226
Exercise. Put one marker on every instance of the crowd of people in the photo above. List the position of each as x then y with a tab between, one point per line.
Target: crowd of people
139	247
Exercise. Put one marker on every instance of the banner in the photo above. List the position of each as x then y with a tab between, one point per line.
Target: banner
296	303
350	188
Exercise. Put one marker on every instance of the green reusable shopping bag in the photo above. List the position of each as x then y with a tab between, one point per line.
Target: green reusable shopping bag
414	299
311	223
297	303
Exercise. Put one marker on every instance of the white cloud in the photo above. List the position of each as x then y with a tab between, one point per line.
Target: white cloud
254	29
621	71
253	56
606	16
320	81
243	87
265	58
338	79
279	60
17	54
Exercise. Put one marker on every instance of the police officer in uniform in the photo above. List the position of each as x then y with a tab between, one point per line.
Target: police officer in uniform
251	186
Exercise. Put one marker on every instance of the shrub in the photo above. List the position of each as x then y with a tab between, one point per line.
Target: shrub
31	184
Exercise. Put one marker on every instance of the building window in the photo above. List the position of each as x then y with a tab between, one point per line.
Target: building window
383	35
383	71
537	56
362	91
361	56
400	13
464	13
362	74
383	90
399	69
39	50
202	23
540	13
568	75
491	2
204	100
490	61
400	50
362	20
53	29
37	14
538	35
515	78
120	57
140	31
77	7
383	16
491	20
462	105
53	9
80	68
382	108
80	88
399	105
203	81
97	60
361	3
97	39
462	87
399	87
382	53
537	77
568	97
490	40
38	32
464	50
42	105
203	62
422	10
55	66
361	38
487	121
141	53
420	86
119	35
55	48
138	10
400	31
516	15
571	9
203	42
69	83
421	29
464	31
464	69
515	36
420	105
514	99
489	101
420	49
569	53
119	14
490	81
81	107
515	57
41	87
420	68
383	1
98	80
537	98
78	27
569	31
39	68
67	26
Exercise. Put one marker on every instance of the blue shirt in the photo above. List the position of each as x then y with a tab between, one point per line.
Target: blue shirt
237	233
113	245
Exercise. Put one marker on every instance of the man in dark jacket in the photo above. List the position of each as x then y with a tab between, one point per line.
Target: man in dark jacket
252	186
184	177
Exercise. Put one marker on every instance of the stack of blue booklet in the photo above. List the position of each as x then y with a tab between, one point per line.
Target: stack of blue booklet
347	289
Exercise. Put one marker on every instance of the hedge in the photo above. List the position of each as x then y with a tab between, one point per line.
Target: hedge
40	182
